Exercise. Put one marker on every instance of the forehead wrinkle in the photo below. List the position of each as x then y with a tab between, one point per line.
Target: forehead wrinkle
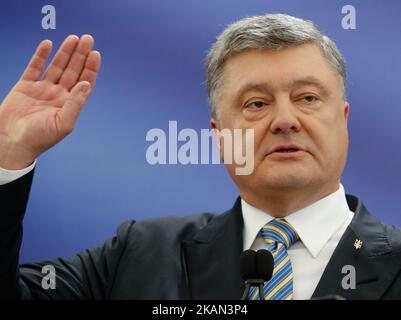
267	88
309	81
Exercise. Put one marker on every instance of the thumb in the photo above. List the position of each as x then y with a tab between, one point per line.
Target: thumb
69	113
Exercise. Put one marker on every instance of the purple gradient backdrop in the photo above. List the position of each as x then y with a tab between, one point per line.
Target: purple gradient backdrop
153	53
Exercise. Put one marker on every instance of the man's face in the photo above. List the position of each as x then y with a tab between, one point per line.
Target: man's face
289	96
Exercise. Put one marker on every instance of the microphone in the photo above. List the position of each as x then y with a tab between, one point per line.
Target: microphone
256	268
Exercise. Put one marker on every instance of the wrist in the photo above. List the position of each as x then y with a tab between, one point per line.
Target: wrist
11	159
15	165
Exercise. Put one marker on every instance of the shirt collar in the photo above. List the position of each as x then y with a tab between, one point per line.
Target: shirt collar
315	224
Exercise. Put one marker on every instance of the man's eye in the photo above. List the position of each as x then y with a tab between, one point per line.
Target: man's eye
255	105
309	99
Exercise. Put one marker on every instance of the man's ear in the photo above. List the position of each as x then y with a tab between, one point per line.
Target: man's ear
214	124
346	111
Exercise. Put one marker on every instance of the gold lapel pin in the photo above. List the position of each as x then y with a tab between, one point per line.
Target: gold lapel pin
358	244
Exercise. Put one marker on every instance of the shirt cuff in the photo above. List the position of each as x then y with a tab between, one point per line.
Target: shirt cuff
7	176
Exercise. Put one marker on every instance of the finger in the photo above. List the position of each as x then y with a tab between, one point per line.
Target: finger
61	59
75	66
38	61
70	111
91	69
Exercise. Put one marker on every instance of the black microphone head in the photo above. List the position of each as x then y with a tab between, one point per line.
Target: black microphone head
264	264
247	264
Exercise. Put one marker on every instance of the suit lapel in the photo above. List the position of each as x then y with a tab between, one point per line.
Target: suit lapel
374	263
212	257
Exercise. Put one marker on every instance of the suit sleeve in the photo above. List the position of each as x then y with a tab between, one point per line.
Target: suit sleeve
88	275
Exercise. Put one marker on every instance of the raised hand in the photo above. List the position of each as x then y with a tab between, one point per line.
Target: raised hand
40	111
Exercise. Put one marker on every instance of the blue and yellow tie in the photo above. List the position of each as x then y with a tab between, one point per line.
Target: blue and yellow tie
279	235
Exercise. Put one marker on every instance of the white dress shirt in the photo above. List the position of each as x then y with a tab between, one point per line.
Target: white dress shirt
7	176
320	227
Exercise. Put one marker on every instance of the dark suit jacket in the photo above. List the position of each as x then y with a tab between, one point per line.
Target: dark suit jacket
191	257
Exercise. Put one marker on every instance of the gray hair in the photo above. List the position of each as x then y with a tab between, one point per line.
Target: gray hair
270	31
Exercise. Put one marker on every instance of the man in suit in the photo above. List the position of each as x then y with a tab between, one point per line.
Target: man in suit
275	74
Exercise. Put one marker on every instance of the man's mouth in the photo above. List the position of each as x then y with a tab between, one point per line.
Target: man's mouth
287	150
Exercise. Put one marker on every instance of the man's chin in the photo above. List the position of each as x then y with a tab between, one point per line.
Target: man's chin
285	181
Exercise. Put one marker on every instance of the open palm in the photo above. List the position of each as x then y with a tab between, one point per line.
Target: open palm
40	111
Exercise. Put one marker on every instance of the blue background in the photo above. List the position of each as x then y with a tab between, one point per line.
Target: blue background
152	72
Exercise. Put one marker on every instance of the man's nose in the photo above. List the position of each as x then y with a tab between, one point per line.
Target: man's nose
284	118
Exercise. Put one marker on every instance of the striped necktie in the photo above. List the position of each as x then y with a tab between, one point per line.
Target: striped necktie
278	235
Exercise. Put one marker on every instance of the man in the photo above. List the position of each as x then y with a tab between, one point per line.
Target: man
275	74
